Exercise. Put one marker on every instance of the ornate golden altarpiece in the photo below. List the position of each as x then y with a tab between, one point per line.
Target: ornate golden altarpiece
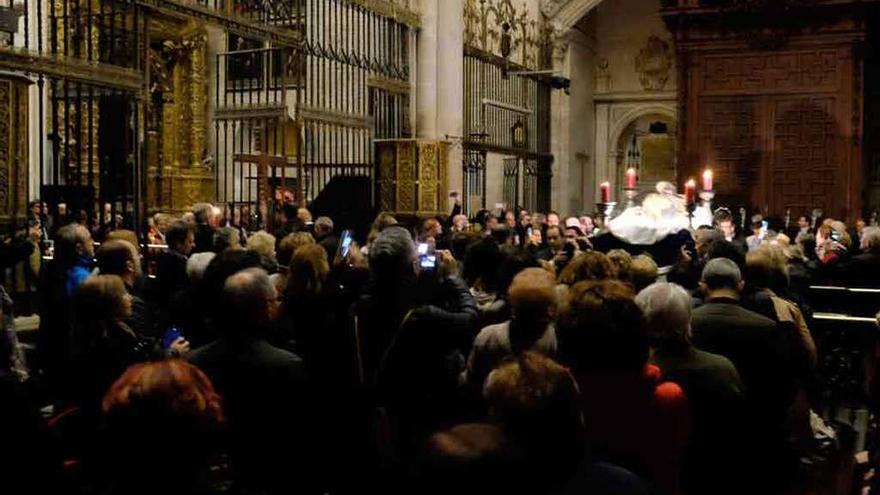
179	165
412	176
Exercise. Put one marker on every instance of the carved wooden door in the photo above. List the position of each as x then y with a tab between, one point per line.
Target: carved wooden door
779	128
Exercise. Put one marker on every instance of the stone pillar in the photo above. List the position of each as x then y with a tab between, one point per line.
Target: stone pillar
440	80
572	126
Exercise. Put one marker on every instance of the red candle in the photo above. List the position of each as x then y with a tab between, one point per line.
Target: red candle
690	191
707	180
605	192
631	178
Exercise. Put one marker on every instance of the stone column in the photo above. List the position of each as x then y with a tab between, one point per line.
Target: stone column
440	80
572	126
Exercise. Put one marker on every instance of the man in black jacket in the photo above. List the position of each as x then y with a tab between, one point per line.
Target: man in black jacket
171	265
205	227
264	389
758	350
414	324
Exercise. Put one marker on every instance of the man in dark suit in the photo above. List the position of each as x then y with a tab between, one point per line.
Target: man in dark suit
757	348
263	387
325	237
171	266
205	227
863	270
715	394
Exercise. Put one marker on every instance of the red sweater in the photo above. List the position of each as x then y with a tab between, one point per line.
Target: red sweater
638	421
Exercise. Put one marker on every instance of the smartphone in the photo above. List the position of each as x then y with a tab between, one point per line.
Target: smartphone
427	261
344	245
529	232
568	249
171	336
835	236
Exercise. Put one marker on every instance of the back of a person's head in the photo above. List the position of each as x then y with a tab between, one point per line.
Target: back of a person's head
243	307
116	257
644	272
392	253
203	212
290	244
871	238
600	327
308	271
766	268
226	238
532	296
324	225
66	240
537	401
470	458
221	267
160	419
591	265
482	262
461	242
721	273
125	235
383	220
176	234
511	266
98	298
667	310
728	250
262	243
501	233
622	262
197	264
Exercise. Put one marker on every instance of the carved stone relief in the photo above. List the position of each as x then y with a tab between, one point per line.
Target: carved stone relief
653	64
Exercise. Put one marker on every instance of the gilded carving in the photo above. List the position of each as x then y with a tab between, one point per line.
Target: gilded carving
530	42
406	176
653	64
427	177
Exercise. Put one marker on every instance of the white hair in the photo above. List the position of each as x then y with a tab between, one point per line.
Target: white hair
197	264
667	310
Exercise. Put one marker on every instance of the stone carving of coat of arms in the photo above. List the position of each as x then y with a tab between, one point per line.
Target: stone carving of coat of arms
653	64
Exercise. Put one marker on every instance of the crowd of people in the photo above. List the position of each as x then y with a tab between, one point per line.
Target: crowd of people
503	353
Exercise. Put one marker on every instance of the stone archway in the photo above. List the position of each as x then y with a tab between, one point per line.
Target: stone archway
613	119
566	13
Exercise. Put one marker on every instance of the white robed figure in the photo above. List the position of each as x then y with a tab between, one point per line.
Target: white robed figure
659	215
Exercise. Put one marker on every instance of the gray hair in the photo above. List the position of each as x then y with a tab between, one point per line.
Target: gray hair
244	299
667	309
871	237
203	212
392	249
721	273
324	223
225	238
197	264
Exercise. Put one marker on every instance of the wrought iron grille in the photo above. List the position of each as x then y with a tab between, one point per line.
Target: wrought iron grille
526	183
474	173
507	113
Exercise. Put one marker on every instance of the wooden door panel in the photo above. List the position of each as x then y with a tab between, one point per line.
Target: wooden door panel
805	166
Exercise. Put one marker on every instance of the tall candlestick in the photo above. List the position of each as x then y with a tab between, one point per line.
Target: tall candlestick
707	180
690	189
605	192
630	178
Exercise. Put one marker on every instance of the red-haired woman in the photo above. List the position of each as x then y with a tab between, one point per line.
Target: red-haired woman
161	423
